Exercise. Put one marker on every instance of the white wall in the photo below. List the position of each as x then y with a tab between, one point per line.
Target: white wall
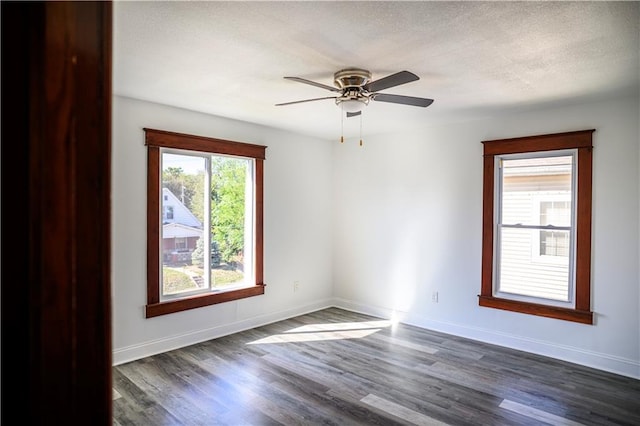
297	231
407	223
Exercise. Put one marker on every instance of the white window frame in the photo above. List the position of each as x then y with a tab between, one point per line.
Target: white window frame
498	179
249	240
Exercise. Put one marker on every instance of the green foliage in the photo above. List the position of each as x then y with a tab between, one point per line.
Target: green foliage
228	179
197	256
222	277
197	201
175	281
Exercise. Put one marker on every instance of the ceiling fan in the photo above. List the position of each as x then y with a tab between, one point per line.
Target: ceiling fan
355	90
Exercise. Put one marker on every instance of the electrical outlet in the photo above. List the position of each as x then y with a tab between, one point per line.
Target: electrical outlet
434	297
296	285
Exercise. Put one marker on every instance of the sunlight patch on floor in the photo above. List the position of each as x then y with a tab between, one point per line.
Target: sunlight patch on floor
326	331
335	326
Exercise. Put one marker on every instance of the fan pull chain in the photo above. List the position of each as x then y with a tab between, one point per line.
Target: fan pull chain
361	129
342	124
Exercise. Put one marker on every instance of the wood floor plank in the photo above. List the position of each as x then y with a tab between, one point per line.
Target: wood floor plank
405	343
539	415
336	367
403	412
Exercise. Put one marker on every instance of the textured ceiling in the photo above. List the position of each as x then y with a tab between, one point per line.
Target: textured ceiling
473	58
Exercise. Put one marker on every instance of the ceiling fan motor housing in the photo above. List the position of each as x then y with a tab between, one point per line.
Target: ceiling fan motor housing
351	81
351	78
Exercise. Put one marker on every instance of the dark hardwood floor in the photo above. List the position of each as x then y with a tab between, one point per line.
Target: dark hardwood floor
335	367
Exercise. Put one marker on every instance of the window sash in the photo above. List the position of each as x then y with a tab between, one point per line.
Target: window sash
520	273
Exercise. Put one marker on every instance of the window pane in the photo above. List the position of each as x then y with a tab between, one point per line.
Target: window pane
183	236
519	272
231	221
535	262
526	182
554	243
557	213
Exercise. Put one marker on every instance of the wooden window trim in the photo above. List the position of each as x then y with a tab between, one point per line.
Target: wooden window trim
156	139
582	141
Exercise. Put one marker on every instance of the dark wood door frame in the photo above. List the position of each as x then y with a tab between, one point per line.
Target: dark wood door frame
56	209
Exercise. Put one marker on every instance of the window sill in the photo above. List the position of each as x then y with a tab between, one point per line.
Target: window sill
584	317
170	307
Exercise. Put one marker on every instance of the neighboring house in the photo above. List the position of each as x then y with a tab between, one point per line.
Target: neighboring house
181	230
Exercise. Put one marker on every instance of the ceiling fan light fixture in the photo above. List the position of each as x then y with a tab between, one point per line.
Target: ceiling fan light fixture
353	104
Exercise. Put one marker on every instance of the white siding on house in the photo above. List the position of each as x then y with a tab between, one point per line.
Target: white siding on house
521	272
181	214
177	230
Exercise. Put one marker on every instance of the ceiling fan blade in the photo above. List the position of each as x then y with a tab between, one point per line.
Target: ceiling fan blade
353	114
392	80
313	83
306	100
399	99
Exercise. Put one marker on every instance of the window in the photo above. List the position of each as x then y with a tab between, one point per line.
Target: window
555	243
215	191
181	243
527	229
167	211
536	249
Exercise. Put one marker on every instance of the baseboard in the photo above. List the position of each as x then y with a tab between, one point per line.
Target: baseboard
600	361
134	352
